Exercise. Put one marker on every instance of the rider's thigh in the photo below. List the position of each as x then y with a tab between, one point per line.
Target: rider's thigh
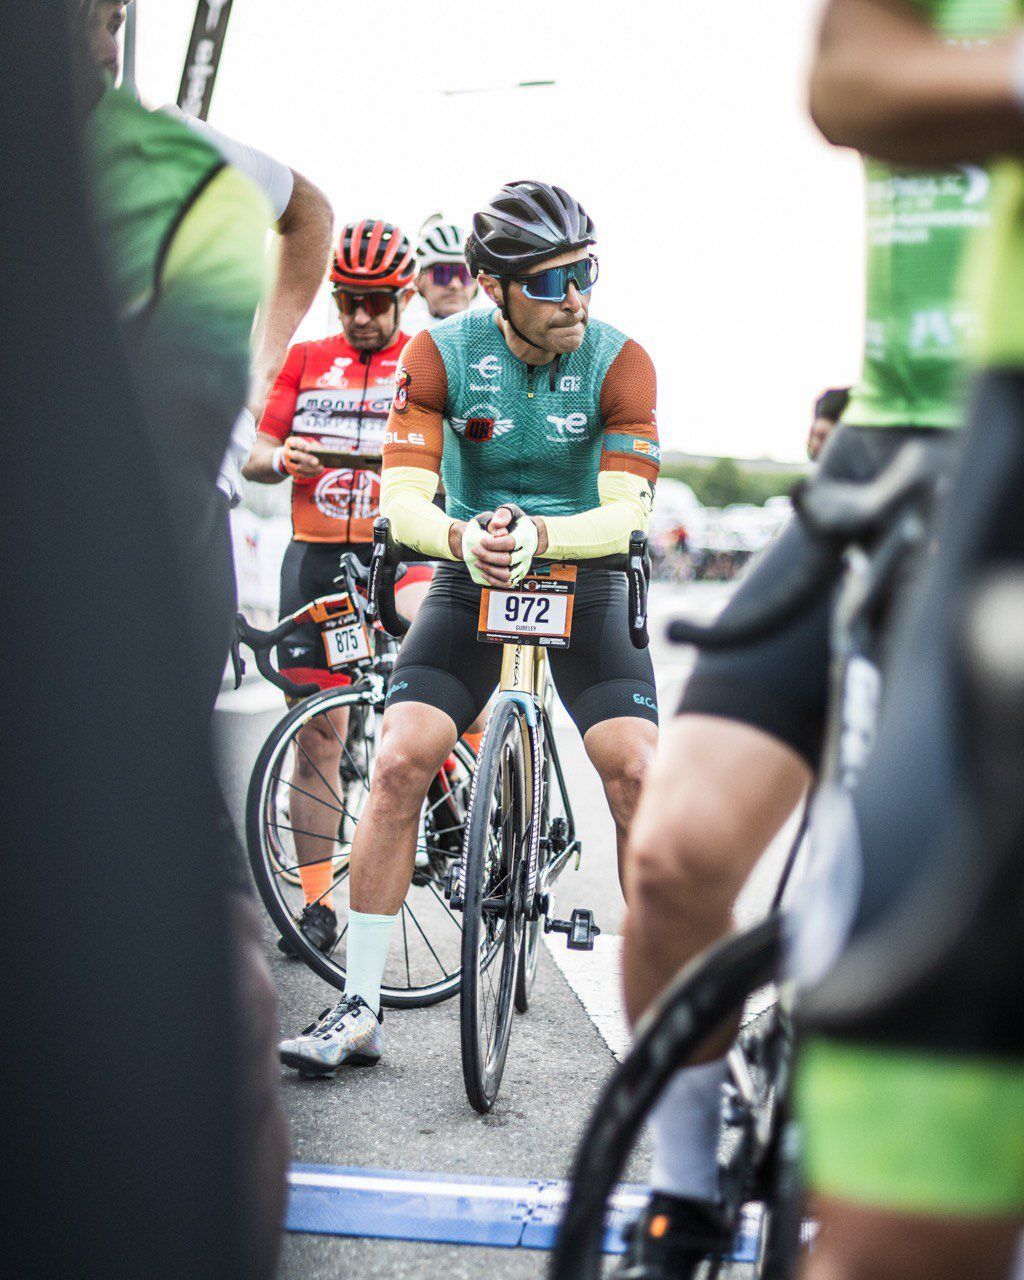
416	740
409	599
716	794
857	1242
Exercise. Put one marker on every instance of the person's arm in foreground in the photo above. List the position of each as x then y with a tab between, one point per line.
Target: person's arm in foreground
885	83
304	243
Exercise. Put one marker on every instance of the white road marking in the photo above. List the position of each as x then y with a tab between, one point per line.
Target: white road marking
407	1186
550	1194
596	980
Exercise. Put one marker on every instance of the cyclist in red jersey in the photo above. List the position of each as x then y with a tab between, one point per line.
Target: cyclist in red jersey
334	394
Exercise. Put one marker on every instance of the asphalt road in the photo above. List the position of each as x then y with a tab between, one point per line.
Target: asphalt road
410	1112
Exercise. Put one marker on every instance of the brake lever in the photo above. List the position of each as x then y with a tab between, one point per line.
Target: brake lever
237	661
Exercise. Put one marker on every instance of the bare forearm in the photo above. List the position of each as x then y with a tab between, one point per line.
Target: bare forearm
260	465
885	83
303	248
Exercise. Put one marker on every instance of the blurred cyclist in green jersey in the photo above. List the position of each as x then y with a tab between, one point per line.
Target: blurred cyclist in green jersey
913	1104
746	744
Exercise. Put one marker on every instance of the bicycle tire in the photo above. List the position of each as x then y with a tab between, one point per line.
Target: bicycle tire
265	862
492	936
529	954
707	992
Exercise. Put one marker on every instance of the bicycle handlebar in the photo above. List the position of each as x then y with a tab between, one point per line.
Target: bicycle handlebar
261	642
388	555
848	510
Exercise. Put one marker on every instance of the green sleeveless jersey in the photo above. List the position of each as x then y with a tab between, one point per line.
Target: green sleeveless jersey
1001	263
183	237
182	232
920	328
512	436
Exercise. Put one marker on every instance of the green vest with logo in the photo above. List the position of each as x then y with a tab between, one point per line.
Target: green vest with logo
920	326
509	435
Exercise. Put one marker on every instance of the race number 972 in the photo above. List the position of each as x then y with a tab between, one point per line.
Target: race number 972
526	609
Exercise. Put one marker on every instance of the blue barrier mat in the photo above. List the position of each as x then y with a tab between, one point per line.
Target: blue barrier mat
444	1208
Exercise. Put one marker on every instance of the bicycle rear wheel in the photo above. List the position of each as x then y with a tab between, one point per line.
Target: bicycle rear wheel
424	963
493	887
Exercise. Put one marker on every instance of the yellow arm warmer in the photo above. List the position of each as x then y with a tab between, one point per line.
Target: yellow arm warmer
406	498
604	531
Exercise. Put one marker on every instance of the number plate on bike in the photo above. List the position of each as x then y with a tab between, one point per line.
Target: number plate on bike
343	631
537	611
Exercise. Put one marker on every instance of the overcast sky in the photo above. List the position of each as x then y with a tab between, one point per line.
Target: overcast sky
730	234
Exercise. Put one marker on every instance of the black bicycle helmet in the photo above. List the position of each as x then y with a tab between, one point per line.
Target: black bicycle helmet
522	225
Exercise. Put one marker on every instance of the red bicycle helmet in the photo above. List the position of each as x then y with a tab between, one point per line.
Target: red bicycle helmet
373	254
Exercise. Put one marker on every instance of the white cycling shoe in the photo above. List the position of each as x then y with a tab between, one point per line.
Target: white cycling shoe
349	1034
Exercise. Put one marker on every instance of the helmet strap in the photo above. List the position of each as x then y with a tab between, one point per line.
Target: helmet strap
505	295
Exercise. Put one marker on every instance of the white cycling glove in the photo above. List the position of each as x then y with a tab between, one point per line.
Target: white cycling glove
526	538
229	478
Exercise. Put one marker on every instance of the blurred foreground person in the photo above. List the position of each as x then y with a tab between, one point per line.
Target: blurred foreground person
182	229
912	1101
747	741
117	964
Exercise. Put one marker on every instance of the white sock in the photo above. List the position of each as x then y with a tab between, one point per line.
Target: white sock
368	941
685	1127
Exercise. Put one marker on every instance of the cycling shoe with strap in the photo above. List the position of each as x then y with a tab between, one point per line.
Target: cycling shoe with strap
318	924
350	1033
673	1238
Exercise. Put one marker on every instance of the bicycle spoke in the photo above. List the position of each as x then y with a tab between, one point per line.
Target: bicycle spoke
319	774
412	917
344	747
297	831
279	872
320	800
338	941
405	944
447	909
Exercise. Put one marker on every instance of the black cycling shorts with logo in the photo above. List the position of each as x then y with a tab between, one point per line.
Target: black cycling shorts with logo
599	677
309	570
780	684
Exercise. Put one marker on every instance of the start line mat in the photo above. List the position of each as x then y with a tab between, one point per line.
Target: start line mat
509	1213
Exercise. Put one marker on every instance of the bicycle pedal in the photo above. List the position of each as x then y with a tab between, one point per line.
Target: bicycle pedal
579	928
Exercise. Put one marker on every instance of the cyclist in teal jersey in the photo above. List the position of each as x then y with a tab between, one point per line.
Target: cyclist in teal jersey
912	1106
744	749
533	404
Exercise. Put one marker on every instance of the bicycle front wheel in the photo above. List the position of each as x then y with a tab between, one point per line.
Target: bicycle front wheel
708	993
493	889
299	815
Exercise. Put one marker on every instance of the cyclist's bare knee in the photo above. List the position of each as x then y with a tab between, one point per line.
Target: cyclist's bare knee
621	751
415	742
320	742
858	1243
716	794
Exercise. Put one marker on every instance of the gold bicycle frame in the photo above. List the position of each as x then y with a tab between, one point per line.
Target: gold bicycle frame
524	669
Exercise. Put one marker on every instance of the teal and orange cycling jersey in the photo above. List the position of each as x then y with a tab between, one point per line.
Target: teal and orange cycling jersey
921	325
499	430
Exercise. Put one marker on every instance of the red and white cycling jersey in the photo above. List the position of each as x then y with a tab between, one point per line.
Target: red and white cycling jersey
329	392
